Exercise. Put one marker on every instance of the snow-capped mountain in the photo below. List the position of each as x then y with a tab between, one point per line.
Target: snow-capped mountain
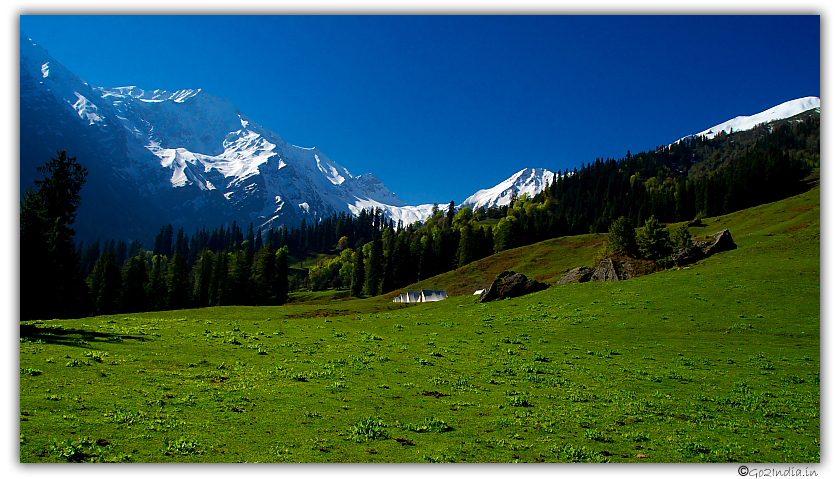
535	180
527	180
185	157
193	159
778	112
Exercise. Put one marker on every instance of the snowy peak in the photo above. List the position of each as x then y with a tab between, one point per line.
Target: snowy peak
188	156
778	112
528	180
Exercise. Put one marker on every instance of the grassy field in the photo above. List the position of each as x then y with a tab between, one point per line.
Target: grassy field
717	362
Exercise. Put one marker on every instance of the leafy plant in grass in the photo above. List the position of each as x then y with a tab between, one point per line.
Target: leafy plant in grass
369	428
86	449
432	424
182	447
96	356
519	401
570	453
694	448
596	435
125	416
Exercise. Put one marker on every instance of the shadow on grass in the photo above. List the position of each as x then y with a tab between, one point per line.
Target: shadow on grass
69	337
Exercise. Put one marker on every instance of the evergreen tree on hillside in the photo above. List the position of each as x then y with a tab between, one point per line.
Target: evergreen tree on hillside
178	283
265	278
51	285
106	284
281	273
682	237
202	279
375	268
621	237
357	283
654	241
134	279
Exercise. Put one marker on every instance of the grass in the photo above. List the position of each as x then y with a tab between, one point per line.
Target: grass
717	362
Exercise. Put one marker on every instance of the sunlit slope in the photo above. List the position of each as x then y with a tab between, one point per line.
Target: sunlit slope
718	362
547	261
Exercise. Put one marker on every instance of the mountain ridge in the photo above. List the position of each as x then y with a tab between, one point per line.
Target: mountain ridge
192	159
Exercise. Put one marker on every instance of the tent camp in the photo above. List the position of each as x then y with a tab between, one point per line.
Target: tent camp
429	295
422	296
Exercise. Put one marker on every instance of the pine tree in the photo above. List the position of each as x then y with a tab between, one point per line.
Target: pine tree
281	272
375	269
202	278
156	287
177	283
654	241
358	281
682	238
621	237
134	279
51	285
264	278
106	284
467	247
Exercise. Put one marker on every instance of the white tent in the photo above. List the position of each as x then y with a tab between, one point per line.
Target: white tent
422	296
430	295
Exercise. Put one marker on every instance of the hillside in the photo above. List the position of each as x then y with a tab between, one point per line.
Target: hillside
717	362
548	260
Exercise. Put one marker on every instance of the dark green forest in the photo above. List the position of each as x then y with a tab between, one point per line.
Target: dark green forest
369	253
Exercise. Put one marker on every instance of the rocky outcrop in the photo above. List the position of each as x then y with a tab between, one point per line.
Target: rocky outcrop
717	243
688	255
606	271
618	267
702	249
509	284
581	274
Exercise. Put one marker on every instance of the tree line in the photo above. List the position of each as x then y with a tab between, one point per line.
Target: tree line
370	254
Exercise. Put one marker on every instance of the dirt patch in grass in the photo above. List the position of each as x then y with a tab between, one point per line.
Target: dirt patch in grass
436	394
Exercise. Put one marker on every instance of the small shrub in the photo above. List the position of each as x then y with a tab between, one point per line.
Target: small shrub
429	425
519	401
369	428
569	453
596	435
96	356
694	448
182	447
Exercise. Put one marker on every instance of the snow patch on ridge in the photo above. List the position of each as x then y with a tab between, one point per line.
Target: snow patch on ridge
528	180
778	112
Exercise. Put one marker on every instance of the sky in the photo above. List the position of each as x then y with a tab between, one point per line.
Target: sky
439	107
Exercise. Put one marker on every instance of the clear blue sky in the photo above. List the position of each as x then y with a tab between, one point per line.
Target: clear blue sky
438	106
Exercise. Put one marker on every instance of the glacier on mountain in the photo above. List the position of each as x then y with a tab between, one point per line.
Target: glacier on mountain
202	147
529	181
778	112
193	159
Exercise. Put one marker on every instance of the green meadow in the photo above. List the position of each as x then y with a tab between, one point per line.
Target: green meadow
716	362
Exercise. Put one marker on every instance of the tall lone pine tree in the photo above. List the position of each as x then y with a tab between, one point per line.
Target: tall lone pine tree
51	285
